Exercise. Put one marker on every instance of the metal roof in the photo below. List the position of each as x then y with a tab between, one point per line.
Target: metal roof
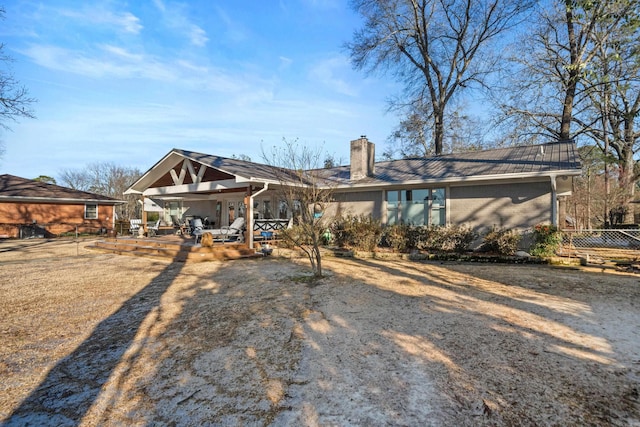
559	158
542	159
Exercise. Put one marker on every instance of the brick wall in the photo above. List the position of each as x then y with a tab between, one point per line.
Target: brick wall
51	219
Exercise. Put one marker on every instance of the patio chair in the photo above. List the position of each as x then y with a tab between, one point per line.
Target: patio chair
196	228
181	224
134	226
232	232
153	229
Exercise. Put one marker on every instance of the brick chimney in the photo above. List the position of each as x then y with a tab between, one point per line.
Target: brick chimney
362	158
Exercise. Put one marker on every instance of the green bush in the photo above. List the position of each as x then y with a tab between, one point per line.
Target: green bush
501	241
357	232
546	240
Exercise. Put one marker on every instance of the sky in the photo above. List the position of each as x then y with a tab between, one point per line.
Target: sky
127	81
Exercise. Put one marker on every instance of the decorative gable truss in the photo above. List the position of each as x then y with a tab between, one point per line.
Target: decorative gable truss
188	177
188	166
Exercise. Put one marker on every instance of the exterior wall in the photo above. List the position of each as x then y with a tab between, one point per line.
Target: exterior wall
201	208
357	203
515	206
52	219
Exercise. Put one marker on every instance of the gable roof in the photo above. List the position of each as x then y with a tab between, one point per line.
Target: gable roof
558	158
240	170
245	170
15	188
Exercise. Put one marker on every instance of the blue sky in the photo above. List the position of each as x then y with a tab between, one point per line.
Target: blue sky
125	82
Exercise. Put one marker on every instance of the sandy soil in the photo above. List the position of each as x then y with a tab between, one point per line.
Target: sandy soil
95	339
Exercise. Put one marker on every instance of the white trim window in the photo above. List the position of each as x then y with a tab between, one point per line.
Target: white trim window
420	206
90	211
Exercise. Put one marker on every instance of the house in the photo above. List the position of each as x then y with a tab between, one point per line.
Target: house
515	187
31	208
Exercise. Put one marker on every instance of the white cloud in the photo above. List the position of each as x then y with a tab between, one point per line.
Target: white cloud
176	19
327	73
98	15
198	36
115	62
129	23
285	62
160	5
233	30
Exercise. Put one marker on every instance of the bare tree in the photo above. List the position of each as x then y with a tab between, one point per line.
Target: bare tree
436	48
107	179
462	133
302	186
614	93
15	101
546	89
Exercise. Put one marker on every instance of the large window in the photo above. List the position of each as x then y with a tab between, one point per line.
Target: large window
422	206
91	211
286	212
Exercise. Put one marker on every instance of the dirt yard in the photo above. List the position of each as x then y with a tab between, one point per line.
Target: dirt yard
93	339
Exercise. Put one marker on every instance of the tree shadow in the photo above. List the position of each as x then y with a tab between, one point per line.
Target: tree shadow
72	386
428	345
220	350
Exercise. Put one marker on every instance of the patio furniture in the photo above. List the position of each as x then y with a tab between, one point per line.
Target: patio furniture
234	232
152	230
182	225
134	226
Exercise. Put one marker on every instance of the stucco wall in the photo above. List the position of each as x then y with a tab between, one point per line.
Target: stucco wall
515	206
357	203
51	218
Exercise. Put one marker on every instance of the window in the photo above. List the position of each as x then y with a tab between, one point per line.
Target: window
283	209
422	206
266	211
90	211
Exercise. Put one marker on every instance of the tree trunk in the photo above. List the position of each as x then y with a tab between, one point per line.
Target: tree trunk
627	177
438	130
573	78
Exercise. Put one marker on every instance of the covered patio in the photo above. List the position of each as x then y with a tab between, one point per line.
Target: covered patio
187	186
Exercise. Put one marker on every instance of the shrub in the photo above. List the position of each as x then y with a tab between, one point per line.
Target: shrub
358	232
453	238
397	237
457	238
294	236
546	240
502	241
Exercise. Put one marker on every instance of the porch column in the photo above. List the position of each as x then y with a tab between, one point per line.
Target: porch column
248	202
554	201
144	216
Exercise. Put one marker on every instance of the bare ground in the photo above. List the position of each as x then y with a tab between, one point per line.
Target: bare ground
94	339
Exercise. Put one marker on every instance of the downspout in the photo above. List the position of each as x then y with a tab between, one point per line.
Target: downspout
554	201
250	210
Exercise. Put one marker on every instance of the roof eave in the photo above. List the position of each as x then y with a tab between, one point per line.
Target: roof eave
463	179
60	200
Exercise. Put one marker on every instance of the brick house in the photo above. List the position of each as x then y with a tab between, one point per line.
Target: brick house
31	208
